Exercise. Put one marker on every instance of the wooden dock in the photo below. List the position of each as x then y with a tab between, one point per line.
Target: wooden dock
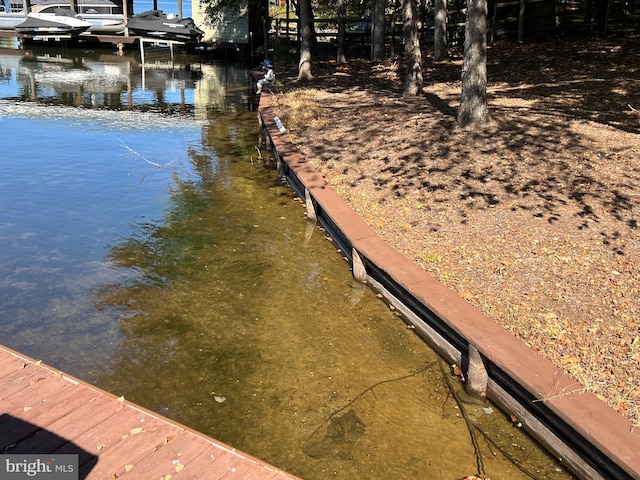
45	411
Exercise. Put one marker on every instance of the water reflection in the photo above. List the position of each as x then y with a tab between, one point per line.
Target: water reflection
165	83
150	252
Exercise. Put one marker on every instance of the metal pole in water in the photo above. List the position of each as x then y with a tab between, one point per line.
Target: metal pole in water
142	50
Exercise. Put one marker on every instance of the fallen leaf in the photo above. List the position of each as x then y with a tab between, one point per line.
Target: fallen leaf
135	431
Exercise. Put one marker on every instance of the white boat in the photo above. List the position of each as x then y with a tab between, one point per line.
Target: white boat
105	16
10	17
60	22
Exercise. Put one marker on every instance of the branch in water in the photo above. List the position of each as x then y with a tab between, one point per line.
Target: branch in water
166	165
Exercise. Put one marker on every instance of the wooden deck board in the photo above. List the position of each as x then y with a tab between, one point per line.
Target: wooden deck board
99	439
43	411
33	414
170	459
20	377
69	427
133	447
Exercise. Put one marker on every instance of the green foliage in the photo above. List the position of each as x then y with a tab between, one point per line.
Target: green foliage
217	8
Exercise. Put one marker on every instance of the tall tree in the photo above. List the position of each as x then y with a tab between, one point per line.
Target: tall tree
377	30
473	110
440	31
412	55
341	8
304	66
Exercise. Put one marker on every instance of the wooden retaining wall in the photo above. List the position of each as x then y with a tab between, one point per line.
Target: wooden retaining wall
591	439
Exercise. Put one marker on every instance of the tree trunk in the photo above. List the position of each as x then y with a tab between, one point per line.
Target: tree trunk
440	31
377	30
473	110
521	11
304	67
341	8
412	55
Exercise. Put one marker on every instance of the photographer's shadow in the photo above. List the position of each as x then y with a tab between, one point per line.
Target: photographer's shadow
20	437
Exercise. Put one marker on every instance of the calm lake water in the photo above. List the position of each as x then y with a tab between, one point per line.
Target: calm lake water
148	250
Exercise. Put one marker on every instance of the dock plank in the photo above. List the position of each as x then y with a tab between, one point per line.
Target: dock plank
20	377
33	414
132	448
170	459
68	428
44	411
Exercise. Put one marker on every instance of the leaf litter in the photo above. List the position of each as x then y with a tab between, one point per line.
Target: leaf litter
534	218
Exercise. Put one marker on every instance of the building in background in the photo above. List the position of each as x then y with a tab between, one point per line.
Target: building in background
242	31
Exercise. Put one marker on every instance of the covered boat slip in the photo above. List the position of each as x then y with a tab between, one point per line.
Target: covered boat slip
44	411
102	17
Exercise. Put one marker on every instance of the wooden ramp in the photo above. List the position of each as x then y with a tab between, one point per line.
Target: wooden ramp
44	411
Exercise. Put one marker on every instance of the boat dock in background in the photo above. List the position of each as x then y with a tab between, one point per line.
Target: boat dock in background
44	411
120	41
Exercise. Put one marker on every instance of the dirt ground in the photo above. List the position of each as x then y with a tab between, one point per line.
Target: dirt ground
534	219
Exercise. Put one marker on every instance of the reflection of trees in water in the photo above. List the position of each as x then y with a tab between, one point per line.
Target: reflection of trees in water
184	288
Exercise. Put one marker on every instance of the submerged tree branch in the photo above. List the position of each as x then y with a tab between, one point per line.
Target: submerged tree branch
138	154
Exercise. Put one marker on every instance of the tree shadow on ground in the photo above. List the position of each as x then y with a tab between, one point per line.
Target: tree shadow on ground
556	148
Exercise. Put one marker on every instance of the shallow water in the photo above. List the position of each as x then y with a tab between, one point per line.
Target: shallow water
147	249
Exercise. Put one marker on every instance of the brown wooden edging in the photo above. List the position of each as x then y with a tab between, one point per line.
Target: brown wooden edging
592	440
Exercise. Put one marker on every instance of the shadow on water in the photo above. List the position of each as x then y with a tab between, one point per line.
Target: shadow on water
185	277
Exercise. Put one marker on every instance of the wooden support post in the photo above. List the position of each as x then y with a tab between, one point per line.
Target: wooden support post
311	209
477	376
279	165
358	268
127	15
